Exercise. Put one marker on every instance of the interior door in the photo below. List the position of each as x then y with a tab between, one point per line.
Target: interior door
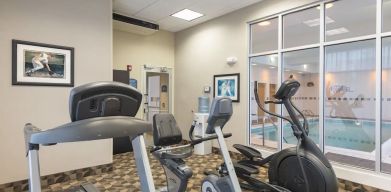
272	91
153	95
261	95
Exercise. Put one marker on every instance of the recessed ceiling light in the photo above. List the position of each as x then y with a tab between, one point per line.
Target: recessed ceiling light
264	23
299	72
187	15
287	70
305	66
336	31
328	6
272	67
253	64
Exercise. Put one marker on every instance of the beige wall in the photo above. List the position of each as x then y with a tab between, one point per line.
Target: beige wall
139	50
200	53
84	25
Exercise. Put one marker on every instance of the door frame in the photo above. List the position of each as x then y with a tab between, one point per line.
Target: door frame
157	69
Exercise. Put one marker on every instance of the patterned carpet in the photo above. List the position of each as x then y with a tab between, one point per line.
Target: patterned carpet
124	175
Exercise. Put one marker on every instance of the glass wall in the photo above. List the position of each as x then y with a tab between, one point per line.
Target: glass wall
264	128
301	28
359	20
386	14
341	72
386	106
264	36
349	111
303	66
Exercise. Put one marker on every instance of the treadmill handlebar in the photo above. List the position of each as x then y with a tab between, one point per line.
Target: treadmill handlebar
86	130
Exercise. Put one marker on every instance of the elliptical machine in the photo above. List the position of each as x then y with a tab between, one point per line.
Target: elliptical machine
300	168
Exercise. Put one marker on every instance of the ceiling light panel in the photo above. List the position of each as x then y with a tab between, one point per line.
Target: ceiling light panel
187	15
337	31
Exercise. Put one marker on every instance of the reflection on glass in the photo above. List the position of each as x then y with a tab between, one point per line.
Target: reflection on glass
301	28
386	15
349	105
264	36
303	66
358	20
264	128
386	106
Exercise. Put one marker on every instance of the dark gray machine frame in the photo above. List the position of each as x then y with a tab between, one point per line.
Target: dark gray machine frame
98	111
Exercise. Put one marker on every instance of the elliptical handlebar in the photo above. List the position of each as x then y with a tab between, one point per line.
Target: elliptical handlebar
305	123
263	109
296	128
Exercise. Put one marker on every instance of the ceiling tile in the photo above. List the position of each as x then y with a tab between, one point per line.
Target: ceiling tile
131	7
171	22
164	8
159	11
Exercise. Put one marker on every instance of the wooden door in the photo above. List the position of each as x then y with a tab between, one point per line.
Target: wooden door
261	95
272	92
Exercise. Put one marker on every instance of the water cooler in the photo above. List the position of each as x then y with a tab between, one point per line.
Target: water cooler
199	131
205	147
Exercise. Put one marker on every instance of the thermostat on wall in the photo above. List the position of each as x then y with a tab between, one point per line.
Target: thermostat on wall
207	89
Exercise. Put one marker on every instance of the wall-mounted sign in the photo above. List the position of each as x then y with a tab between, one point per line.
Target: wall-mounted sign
133	83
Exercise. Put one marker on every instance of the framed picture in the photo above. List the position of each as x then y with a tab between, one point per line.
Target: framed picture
42	64
227	85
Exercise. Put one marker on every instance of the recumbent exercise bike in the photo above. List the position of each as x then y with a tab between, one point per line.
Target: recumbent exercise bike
167	135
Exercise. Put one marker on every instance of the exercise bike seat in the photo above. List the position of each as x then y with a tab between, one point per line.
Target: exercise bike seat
166	133
242	169
247	151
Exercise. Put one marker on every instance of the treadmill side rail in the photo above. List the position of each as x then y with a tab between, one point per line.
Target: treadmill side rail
34	172
142	163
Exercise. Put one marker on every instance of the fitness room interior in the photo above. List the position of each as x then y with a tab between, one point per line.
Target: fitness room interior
195	95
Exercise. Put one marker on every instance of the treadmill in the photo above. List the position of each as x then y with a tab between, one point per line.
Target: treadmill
99	110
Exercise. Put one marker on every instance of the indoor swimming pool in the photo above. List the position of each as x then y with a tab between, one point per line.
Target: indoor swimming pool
342	133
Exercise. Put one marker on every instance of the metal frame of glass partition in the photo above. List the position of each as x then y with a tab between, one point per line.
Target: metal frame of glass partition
378	36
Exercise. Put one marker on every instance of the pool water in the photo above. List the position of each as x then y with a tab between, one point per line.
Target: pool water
343	133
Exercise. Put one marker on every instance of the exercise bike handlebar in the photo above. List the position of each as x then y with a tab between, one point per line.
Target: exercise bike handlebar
195	141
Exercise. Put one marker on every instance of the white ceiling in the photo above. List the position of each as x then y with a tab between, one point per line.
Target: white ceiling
159	11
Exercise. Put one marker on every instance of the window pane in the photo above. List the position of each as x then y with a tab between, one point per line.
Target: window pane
263	127
264	36
301	28
386	106
303	66
349	116
386	15
350	18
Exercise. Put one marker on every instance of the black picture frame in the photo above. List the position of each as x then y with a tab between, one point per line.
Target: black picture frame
69	82
230	77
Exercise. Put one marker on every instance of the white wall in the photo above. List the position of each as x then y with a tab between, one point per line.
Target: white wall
84	25
200	53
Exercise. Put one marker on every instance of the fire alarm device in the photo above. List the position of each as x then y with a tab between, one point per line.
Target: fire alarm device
129	68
